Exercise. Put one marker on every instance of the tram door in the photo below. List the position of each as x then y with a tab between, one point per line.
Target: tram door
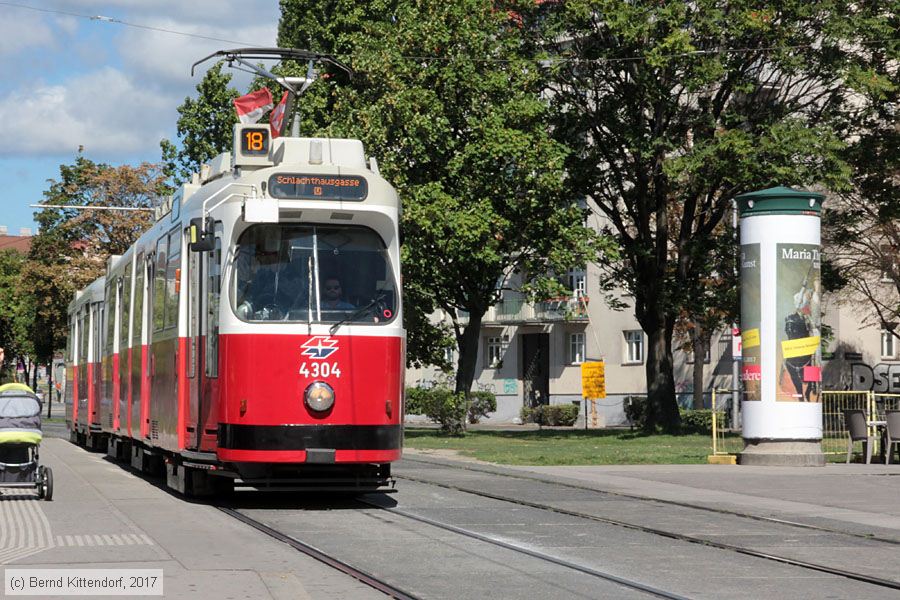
136	346
203	366
195	279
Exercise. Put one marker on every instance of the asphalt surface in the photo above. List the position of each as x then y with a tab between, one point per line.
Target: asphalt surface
205	553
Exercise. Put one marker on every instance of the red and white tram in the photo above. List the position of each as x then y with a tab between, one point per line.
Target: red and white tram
253	335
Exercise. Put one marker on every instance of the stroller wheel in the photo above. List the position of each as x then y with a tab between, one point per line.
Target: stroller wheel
47	484
39	483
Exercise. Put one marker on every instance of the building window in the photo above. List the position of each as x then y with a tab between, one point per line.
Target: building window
576	348
577	282
887	344
496	348
449	355
634	346
707	355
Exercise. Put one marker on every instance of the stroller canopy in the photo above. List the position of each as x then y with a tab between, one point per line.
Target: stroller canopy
20	415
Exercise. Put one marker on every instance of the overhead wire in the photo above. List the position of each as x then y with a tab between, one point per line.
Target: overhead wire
106	19
599	60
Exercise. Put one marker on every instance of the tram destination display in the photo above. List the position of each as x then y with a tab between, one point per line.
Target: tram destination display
318	187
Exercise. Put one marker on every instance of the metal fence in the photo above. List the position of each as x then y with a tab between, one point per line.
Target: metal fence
725	441
834	429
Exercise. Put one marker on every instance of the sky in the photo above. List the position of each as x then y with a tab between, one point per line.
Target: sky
101	75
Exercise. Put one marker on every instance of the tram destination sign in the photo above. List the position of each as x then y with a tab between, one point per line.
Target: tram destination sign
318	187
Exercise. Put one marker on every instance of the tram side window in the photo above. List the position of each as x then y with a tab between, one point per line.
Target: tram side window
70	339
137	314
97	351
82	337
110	321
124	308
213	294
159	285
173	270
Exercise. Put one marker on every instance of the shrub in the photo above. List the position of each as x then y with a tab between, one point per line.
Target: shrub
527	414
636	410
416	400
551	414
480	404
440	404
699	421
562	414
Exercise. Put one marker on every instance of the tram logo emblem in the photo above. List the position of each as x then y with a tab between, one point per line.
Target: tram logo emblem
319	347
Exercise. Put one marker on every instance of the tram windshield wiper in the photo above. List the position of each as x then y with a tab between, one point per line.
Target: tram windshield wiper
358	313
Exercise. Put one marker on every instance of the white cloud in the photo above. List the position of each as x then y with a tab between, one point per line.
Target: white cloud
22	31
166	59
102	110
111	87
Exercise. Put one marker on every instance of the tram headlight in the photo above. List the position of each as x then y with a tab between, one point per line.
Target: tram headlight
319	396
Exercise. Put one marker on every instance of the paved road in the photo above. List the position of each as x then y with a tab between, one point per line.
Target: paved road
105	516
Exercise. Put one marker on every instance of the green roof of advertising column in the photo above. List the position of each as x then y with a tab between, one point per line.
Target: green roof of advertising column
780	201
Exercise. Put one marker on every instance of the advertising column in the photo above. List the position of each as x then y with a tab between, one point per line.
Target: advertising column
780	324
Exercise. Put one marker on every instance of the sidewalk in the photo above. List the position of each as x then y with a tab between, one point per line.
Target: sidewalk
105	517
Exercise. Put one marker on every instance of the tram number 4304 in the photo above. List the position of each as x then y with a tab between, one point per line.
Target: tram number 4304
320	369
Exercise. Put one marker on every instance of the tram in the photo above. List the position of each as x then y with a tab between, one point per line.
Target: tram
253	335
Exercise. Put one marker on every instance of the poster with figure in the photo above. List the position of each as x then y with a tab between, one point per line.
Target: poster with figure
751	367
798	323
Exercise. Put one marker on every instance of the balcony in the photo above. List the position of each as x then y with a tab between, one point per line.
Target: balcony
519	312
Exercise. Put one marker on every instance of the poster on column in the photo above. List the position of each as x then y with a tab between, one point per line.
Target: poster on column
751	367
798	323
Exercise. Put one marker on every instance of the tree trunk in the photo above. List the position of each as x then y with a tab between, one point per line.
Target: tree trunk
662	408
468	353
468	357
698	345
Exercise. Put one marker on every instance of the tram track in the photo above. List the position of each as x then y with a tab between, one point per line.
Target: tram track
861	577
701	508
323	557
395	592
635	585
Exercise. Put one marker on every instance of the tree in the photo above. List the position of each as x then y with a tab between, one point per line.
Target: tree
448	96
861	228
72	246
204	126
674	108
15	311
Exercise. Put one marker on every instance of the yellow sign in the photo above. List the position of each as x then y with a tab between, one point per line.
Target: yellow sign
750	338
800	347
593	379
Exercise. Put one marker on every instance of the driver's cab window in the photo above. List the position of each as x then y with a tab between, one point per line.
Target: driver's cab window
314	274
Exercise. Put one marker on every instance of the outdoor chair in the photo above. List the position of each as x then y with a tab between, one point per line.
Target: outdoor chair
892	433
858	431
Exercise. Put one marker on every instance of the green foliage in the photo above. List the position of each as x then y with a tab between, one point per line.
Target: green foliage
668	121
551	414
440	404
71	247
480	404
16	312
205	126
466	141
700	421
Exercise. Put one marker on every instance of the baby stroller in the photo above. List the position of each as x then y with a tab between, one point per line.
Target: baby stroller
20	437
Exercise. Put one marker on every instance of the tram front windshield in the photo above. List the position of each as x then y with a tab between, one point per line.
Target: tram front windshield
312	273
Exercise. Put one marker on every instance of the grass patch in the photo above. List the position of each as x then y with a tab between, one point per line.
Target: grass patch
568	447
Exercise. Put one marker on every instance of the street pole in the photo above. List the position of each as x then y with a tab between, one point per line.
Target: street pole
735	359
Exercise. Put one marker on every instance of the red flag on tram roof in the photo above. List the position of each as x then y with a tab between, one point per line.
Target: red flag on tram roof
250	108
276	119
